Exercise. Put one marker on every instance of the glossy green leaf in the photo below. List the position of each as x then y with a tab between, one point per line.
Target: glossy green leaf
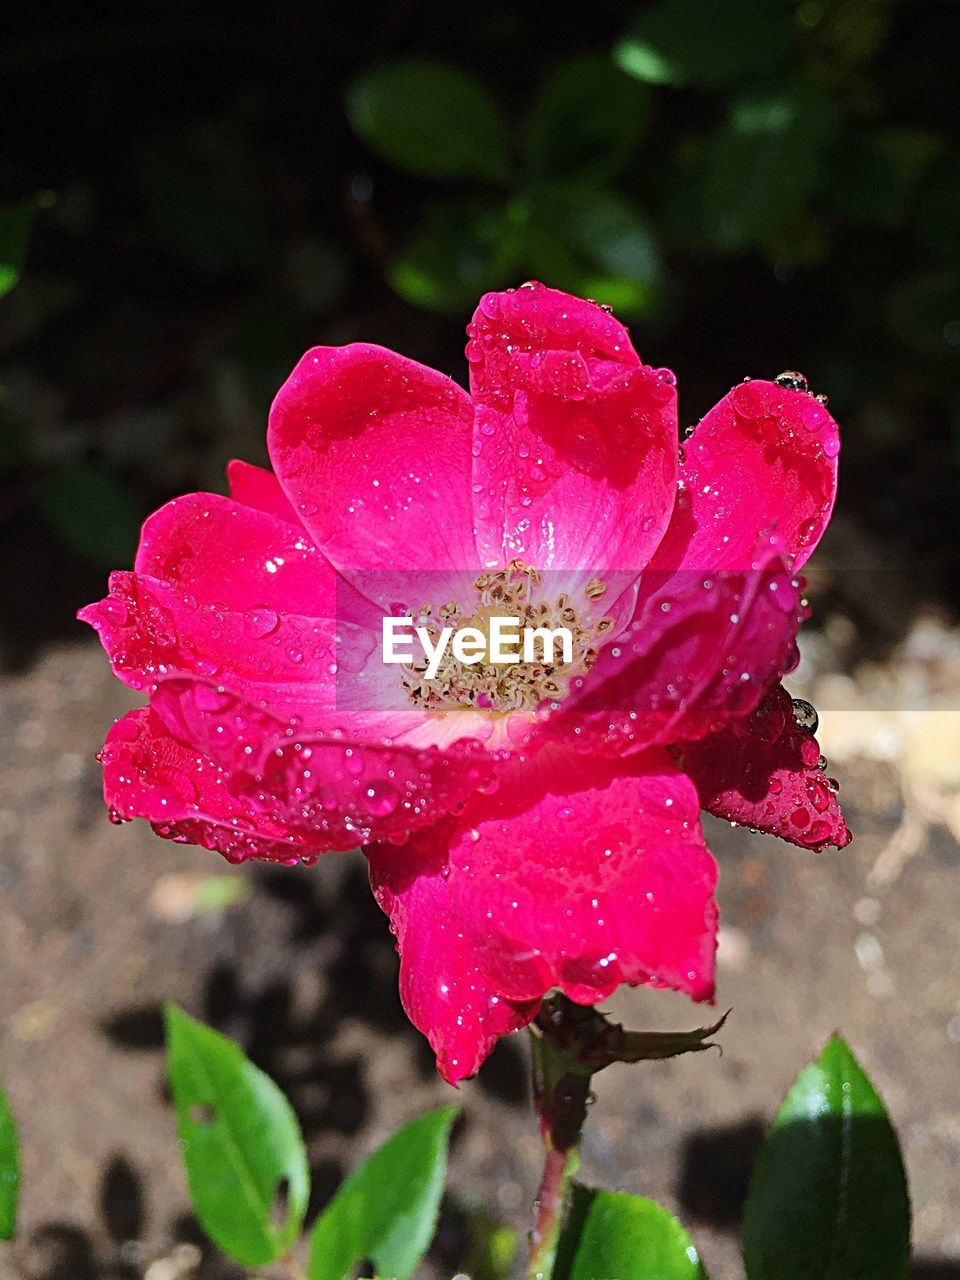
597	245
611	1235
386	1211
430	119
828	1199
15	224
587	121
245	1159
764	164
615	238
93	511
9	1170
461	250
705	43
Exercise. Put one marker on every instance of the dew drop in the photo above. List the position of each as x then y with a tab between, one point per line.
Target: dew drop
380	799
261	621
791	380
805	714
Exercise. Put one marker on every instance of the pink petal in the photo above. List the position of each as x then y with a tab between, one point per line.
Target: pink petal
373	451
230	593
185	796
763	460
339	755
215	549
153	632
582	873
271	717
283	743
443	990
223	590
762	772
330	792
575	441
258	488
700	649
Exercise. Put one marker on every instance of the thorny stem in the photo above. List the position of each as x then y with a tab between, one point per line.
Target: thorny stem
570	1044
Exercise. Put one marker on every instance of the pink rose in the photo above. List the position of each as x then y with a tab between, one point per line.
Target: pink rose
529	826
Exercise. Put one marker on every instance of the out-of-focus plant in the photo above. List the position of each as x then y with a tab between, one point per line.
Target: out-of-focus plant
92	509
703	164
788	134
797	145
15	223
9	1170
828	1198
545	203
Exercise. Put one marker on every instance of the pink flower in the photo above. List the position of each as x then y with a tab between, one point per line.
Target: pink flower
528	826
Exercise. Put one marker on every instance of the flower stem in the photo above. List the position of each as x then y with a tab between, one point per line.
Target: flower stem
558	1170
561	1090
571	1043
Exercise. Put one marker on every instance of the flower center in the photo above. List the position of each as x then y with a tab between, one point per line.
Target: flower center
514	592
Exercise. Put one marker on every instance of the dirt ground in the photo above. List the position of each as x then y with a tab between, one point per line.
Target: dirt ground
99	926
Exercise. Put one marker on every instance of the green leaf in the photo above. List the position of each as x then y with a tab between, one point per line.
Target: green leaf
705	43
828	1199
386	1211
587	121
15	224
431	120
614	237
597	245
764	164
611	1235
9	1170
461	250
245	1159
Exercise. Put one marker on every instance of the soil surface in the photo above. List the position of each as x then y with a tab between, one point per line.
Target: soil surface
100	925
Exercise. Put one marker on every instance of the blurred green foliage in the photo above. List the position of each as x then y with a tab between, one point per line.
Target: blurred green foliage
9	1170
787	140
15	224
541	204
753	185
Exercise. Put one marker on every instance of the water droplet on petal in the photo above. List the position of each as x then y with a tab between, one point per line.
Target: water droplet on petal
380	799
805	714
261	621
792	380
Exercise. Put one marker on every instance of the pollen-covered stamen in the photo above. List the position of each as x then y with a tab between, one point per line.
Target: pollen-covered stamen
513	592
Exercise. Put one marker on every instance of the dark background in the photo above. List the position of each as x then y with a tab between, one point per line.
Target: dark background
201	192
